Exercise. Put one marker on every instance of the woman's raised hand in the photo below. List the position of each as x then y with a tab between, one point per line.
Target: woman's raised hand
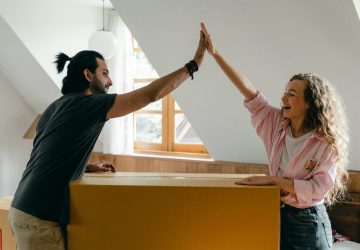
210	46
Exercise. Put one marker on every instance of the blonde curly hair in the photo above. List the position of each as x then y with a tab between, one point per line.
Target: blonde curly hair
326	116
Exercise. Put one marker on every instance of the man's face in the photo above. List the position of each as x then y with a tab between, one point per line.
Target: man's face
100	82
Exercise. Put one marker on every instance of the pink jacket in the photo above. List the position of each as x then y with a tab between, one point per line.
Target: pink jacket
313	167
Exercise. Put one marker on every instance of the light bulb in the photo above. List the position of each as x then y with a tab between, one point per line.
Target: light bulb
103	42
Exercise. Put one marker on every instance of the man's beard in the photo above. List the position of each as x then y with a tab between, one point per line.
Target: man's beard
97	87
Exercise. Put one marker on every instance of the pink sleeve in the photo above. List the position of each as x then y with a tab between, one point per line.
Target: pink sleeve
314	189
257	103
265	119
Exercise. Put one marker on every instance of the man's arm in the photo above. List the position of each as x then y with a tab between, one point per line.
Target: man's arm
137	99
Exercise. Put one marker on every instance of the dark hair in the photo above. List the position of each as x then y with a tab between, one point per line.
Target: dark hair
75	80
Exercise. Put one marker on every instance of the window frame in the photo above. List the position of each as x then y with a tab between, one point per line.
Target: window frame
168	144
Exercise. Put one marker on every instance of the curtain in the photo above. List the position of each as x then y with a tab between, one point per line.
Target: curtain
117	136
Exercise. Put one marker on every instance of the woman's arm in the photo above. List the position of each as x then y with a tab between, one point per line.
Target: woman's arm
238	79
286	185
137	99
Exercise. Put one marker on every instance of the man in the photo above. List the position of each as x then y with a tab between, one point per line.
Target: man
66	134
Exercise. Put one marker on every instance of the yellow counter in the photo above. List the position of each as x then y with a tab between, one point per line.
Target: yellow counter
153	211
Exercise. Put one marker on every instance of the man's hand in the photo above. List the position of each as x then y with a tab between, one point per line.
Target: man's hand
100	166
200	52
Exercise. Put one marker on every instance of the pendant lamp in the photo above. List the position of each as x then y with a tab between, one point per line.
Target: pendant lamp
103	41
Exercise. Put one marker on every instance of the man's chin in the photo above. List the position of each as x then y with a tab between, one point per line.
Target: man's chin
98	91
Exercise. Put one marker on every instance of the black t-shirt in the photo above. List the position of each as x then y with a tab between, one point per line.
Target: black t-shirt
66	134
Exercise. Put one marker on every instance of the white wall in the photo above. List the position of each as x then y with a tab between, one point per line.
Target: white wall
48	27
32	33
267	40
16	116
24	72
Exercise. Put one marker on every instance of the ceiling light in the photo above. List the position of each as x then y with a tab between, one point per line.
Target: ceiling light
103	41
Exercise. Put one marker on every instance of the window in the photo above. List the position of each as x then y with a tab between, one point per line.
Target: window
162	125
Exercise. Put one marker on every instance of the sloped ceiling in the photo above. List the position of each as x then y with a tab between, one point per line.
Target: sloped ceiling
269	41
33	32
24	71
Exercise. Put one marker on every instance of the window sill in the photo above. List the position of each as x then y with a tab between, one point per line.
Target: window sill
172	155
168	155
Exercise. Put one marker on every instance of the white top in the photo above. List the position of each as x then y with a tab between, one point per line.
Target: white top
291	148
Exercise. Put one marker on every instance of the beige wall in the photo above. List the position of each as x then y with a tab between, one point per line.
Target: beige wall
16	116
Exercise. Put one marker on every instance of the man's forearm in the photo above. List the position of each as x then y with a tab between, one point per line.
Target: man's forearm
137	99
166	84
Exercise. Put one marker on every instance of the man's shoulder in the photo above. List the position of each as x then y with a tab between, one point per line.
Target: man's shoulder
80	102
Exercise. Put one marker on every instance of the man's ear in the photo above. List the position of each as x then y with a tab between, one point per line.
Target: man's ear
88	75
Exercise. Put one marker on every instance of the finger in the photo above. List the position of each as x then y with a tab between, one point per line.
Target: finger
206	34
109	168
202	36
110	164
104	169
203	28
239	182
242	183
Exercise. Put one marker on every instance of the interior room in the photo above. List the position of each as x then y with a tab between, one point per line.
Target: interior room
210	131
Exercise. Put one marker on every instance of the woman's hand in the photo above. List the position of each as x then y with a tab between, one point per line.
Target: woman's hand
210	46
286	185
256	181
100	166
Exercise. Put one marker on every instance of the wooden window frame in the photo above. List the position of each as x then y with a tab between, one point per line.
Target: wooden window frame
168	144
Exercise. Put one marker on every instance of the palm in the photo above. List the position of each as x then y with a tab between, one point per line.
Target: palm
210	45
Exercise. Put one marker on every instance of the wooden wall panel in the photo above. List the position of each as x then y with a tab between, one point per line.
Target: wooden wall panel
354	182
134	163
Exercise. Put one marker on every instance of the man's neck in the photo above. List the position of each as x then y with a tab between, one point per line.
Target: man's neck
88	92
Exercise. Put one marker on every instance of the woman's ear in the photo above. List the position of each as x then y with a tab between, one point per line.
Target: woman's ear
88	75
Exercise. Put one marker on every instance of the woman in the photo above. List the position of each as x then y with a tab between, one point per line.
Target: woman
306	142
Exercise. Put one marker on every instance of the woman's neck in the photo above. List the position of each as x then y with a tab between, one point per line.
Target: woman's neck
297	129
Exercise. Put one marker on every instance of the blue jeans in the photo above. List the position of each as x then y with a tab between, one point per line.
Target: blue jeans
307	228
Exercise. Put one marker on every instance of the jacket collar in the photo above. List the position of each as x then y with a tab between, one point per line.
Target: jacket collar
286	122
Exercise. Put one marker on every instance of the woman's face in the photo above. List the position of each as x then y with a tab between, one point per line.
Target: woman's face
294	106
